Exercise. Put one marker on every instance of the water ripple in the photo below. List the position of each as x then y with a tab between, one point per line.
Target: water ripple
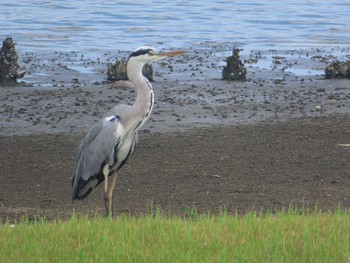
78	25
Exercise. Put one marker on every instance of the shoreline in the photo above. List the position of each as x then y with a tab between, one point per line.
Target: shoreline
68	94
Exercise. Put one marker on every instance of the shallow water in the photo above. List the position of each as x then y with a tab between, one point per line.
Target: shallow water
123	25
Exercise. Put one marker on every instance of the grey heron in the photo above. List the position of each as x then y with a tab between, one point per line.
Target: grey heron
110	143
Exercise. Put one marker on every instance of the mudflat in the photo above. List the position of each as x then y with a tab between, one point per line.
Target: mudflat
267	143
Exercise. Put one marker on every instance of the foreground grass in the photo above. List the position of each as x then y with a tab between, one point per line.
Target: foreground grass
282	237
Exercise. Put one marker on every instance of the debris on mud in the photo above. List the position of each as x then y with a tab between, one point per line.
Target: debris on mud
117	71
9	67
338	70
235	69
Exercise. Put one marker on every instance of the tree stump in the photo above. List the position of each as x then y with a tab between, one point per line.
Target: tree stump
338	70
235	69
9	67
117	71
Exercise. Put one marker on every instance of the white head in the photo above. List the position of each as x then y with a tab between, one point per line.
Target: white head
144	55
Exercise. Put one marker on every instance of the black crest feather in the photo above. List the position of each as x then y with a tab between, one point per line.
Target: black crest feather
141	51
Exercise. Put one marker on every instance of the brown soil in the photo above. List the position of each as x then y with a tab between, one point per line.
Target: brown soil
269	166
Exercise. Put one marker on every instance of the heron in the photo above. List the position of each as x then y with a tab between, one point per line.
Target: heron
111	142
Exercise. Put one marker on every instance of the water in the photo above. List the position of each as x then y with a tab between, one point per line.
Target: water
62	25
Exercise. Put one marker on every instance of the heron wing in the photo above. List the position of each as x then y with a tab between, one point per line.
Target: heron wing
96	150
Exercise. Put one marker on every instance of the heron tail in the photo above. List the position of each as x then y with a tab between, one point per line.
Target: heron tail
82	188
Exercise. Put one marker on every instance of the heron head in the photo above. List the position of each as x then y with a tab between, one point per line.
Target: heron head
149	54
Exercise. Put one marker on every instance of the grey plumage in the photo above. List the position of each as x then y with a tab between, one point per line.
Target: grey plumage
110	143
97	149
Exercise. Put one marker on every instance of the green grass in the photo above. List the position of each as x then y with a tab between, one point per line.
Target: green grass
282	237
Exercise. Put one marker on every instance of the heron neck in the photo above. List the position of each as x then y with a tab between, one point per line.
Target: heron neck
144	98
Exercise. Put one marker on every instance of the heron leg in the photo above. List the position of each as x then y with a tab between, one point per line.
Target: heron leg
109	189
105	193
111	193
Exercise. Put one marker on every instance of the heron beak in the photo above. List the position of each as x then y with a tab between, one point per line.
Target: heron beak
171	53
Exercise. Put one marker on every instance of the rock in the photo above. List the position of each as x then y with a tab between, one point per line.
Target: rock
338	70
9	67
235	69
117	71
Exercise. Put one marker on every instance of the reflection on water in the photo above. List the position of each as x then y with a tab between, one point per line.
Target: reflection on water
82	25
